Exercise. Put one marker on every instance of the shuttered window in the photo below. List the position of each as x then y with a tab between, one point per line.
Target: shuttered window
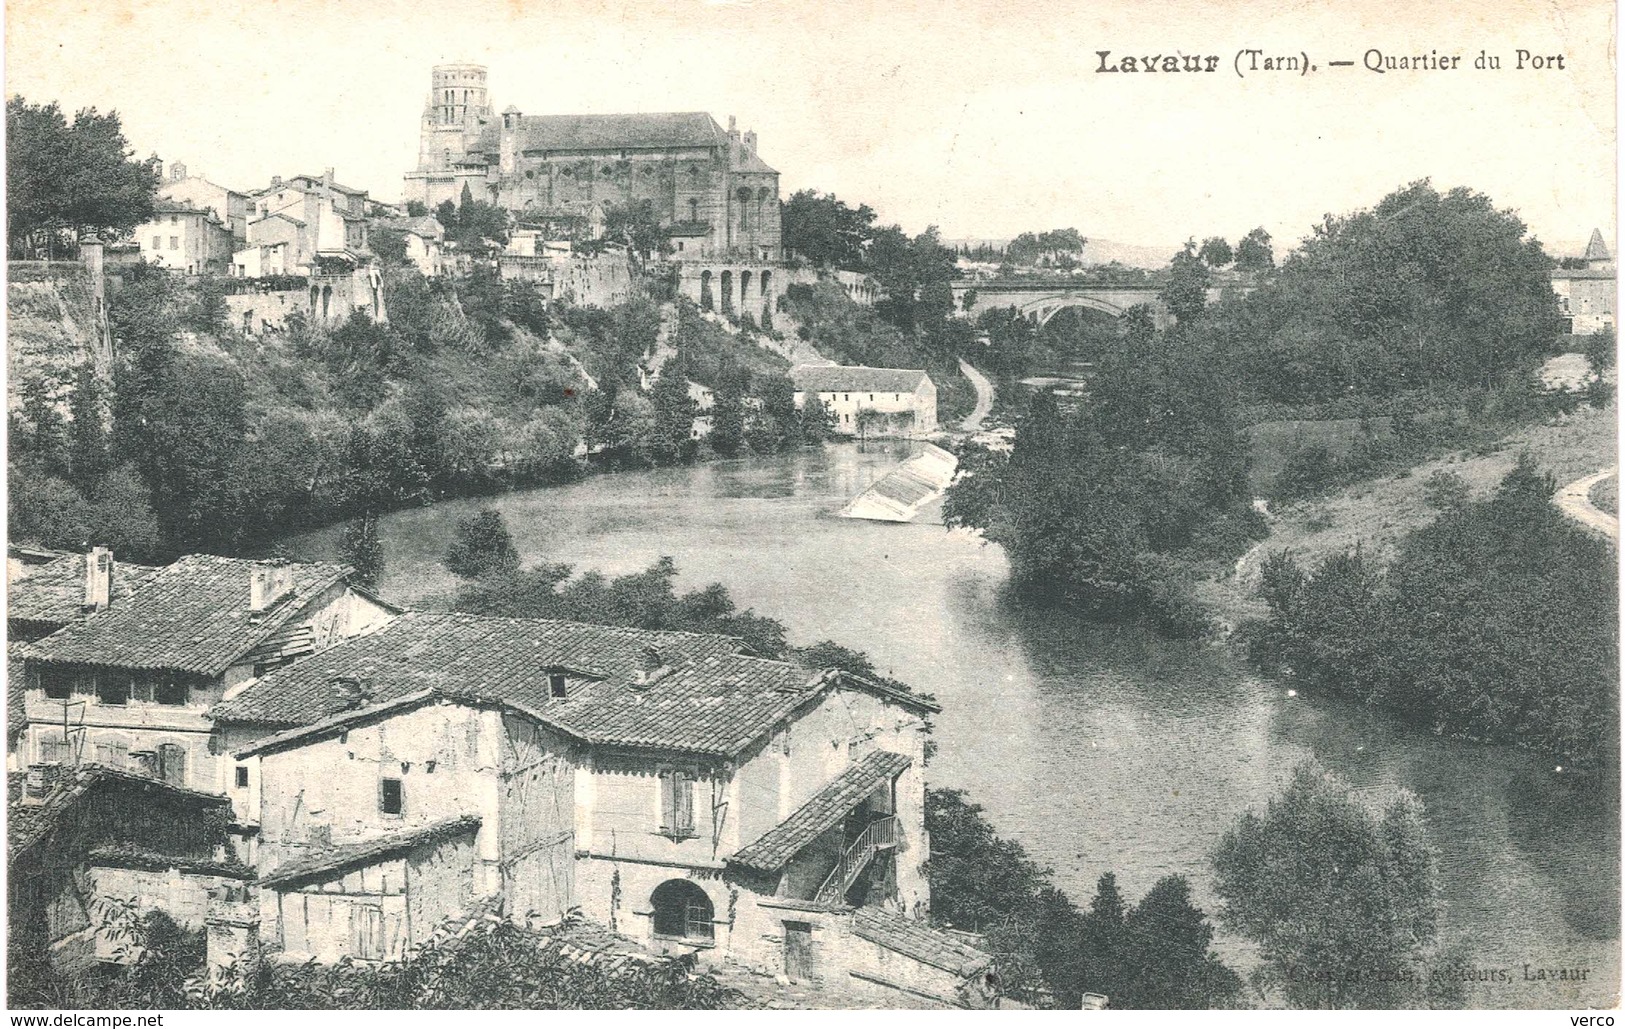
172	764
676	803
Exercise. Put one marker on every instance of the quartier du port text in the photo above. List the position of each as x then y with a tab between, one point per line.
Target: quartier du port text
1248	61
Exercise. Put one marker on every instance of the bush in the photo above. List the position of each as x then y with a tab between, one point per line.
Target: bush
483	547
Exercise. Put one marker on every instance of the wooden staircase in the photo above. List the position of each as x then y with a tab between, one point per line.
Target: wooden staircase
878	835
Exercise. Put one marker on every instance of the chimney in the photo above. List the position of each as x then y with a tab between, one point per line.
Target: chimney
327	178
41	781
651	667
732	123
98	580
750	142
267	584
276	182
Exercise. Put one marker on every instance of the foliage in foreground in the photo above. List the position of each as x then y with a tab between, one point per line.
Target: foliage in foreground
493	964
1343	900
1498	622
1153	955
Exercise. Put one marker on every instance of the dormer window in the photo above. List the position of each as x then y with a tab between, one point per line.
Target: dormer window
556	684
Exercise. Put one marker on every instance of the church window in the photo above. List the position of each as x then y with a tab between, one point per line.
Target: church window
693	210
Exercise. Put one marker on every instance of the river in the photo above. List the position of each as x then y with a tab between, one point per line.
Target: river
1099	749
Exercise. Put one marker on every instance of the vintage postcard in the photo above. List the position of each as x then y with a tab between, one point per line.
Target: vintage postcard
764	504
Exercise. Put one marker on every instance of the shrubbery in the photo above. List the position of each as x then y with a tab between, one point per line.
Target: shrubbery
1498	622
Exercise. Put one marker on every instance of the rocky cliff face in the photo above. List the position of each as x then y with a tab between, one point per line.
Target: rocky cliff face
57	323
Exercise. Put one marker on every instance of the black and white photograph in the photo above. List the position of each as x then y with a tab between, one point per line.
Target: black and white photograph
782	505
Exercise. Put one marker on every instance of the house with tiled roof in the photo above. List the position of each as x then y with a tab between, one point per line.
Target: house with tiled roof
44	596
187	237
1586	295
89	845
129	684
675	787
867	402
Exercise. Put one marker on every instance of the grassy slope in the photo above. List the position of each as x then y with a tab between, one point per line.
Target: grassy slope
1377	514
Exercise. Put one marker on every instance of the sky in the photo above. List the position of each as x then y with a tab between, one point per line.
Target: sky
986	118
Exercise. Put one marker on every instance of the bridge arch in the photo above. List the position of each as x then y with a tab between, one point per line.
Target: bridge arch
1042	309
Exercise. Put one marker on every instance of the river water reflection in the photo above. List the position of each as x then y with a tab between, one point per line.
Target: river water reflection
1099	749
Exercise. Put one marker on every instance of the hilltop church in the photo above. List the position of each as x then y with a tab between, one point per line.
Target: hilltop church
716	196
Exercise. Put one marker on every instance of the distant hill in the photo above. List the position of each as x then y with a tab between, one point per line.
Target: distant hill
1104	251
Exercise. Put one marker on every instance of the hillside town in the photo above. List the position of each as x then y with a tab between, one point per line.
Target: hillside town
255	698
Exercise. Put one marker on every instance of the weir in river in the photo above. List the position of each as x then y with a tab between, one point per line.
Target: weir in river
900	494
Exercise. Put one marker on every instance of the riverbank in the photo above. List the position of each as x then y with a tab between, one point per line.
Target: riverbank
1098	748
1376	515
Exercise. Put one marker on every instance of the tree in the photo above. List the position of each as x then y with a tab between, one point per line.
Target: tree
825	231
185	426
1342	900
673	436
1156	955
1051	247
728	415
1170	963
473	224
635	225
73	179
416	209
364	551
644	600
1216	252
1426	289
1253	253
1186	291
1600	350
914	275
483	547
390	246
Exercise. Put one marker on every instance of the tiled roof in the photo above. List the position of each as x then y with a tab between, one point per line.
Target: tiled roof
29	822
53	593
365	852
427	226
455	655
774	849
611	132
191	616
16	692
752	162
1596	249
716	705
711	699
918	941
316	180
836	378
278	214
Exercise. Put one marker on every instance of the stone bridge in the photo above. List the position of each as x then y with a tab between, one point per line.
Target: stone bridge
1042	300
